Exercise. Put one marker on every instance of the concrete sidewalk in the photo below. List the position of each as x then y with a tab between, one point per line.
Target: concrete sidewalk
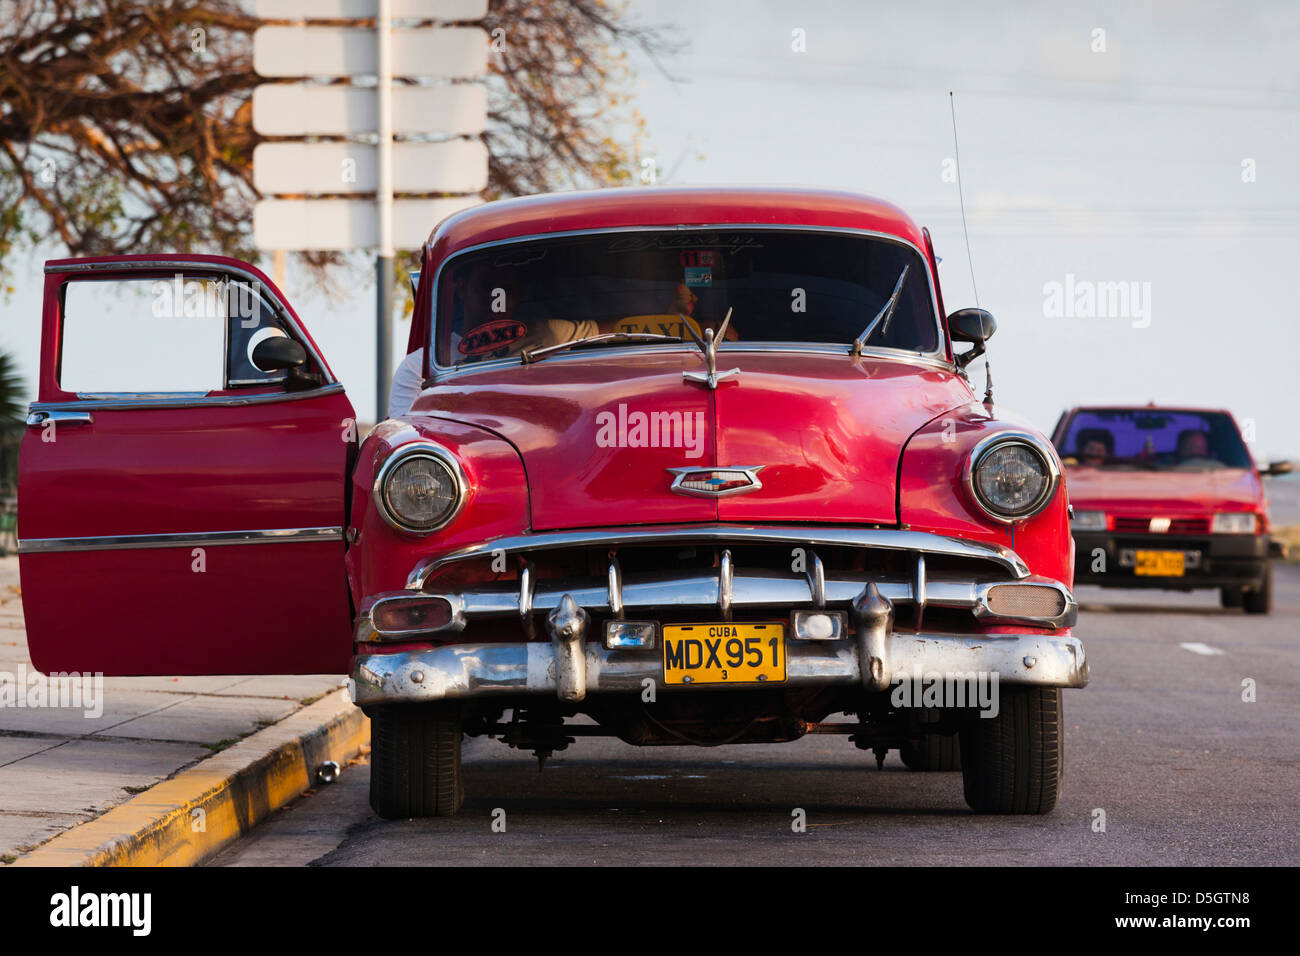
62	767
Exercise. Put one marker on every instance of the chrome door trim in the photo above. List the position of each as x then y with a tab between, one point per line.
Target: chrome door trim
192	539
113	401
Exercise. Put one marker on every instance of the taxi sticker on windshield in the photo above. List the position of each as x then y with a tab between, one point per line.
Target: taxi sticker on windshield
699	276
491	336
657	325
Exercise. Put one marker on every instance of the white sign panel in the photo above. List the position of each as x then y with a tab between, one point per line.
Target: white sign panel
318	169
344	224
303	109
448	53
367	9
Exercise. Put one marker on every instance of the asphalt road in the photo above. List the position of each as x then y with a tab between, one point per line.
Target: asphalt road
1186	772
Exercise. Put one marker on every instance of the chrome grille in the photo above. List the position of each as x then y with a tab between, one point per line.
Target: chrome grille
721	570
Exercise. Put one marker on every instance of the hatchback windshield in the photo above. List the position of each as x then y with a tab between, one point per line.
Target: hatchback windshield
1150	438
781	286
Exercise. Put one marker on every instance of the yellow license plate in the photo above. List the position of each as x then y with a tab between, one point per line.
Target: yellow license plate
1162	564
724	653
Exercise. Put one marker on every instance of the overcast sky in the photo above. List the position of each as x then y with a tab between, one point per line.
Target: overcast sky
1170	160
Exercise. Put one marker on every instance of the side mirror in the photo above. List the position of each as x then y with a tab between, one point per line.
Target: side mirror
1278	468
972	325
278	352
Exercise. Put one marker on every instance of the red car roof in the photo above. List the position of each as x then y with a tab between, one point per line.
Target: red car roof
670	206
660	206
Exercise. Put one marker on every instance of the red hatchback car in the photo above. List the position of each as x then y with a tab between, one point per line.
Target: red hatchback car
1168	498
700	464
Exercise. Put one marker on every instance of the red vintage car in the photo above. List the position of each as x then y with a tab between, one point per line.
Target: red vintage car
700	464
1168	498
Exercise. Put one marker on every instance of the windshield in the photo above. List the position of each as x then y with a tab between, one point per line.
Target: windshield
781	287
1154	439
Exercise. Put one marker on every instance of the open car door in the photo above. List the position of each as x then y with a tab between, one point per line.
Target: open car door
181	507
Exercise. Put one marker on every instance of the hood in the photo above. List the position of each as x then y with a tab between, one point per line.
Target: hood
828	431
597	435
1159	492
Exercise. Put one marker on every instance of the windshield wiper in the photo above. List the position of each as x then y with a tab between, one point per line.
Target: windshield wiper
534	354
884	315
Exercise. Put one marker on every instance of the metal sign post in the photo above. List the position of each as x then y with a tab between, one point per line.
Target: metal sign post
384	263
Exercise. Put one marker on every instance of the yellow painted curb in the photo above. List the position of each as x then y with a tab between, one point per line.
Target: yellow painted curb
187	819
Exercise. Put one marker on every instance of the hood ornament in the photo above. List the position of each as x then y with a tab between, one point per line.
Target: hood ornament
709	346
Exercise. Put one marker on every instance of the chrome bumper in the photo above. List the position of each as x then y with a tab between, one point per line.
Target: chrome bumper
484	670
574	661
874	659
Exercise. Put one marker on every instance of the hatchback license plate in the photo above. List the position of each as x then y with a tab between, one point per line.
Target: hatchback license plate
724	653
1160	564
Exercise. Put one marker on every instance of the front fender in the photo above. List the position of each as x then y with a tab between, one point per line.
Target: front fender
932	493
379	556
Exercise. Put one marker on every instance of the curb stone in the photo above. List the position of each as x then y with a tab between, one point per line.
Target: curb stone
189	818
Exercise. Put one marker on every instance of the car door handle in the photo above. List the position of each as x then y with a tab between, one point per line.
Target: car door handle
40	419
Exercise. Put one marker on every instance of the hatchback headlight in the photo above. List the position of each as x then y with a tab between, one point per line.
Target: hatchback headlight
1012	476
419	488
1088	521
1233	522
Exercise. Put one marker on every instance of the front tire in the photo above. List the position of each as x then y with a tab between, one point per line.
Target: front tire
1260	600
935	752
1012	763
415	761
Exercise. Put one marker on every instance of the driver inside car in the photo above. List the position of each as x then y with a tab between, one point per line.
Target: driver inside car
1193	444
677	319
1093	453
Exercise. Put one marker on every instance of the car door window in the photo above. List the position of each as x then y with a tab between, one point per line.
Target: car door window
182	334
146	335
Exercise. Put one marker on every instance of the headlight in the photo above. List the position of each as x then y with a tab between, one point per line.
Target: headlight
1012	476
1233	522
1088	521
419	488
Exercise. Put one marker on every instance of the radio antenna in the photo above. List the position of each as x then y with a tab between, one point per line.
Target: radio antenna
961	198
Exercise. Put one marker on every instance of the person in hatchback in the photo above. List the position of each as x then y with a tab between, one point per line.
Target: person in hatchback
1168	498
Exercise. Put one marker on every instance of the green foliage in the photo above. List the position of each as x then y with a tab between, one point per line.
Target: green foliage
12	391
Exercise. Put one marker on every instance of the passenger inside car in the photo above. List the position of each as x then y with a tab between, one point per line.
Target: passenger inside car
1193	445
1096	445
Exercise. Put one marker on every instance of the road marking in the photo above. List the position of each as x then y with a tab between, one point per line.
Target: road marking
1196	648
